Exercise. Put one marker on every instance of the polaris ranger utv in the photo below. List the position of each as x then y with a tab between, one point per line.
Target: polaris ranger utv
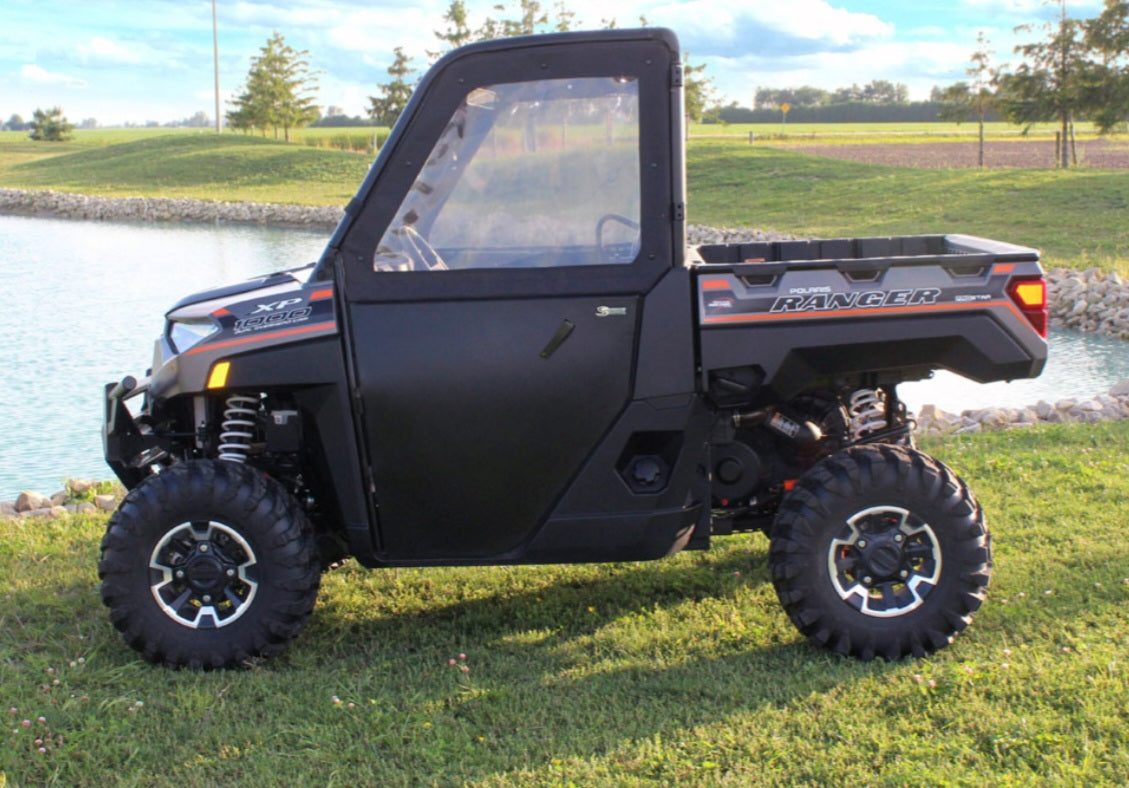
508	355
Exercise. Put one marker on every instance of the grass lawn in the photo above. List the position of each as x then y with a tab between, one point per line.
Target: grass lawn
678	672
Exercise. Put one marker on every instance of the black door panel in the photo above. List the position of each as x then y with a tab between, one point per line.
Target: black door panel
474	430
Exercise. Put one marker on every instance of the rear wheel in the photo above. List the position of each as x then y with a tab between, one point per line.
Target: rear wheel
209	564
880	551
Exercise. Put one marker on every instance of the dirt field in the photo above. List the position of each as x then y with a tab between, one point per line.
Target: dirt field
1097	154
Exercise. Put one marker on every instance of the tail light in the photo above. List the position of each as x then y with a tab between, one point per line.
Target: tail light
1030	295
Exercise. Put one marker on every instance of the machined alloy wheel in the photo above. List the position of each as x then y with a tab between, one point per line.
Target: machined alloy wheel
880	550
885	561
203	574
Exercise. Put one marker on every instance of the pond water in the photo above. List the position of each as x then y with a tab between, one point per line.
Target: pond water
85	301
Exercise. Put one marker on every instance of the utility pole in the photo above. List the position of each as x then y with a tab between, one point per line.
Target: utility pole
216	62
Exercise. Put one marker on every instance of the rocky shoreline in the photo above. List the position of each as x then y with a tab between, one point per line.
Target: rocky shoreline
1090	300
79	496
64	205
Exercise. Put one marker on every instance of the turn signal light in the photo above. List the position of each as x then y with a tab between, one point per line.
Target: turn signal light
218	378
1030	295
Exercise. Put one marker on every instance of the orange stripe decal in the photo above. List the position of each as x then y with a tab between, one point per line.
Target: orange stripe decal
321	295
715	284
1003	268
288	332
890	310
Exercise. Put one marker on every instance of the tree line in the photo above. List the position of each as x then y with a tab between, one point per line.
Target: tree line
280	88
1079	70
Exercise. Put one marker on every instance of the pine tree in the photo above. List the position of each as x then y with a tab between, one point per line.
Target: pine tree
386	108
278	92
458	31
50	126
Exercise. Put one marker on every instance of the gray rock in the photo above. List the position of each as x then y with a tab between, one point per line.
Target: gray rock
79	486
28	501
8	509
59	498
107	503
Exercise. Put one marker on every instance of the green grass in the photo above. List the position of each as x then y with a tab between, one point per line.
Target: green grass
678	672
1076	217
229	167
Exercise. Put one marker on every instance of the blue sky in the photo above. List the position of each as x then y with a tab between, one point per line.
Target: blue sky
151	60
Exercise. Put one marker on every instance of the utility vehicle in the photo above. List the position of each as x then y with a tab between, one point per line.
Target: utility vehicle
507	354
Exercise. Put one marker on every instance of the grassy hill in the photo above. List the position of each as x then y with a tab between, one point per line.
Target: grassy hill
205	166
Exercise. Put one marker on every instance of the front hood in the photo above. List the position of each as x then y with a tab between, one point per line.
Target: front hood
207	301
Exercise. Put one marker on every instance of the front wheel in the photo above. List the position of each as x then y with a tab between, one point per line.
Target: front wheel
880	551
209	564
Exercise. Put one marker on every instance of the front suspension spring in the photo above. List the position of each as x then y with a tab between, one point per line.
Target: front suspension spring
238	428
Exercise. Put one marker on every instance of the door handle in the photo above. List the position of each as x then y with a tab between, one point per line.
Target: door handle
558	339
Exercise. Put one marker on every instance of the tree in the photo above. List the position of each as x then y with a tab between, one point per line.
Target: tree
527	23
1107	84
804	96
962	100
563	17
1051	83
458	30
50	126
386	108
700	97
278	92
16	123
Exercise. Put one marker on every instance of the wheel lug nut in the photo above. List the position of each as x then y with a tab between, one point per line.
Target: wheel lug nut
179	574
231	573
868	580
862	544
203	548
207	597
903	574
899	538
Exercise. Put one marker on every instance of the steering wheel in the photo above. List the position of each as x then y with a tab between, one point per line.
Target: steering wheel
420	253
606	251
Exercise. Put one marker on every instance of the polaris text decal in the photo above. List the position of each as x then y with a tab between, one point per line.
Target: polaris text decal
870	299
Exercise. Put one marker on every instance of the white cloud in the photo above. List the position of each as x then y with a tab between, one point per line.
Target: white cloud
102	49
36	75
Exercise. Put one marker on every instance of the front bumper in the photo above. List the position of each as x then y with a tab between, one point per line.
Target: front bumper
128	446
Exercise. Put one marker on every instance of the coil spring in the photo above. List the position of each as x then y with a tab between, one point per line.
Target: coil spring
238	428
867	408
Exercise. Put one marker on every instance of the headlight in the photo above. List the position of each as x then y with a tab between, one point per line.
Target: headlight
185	333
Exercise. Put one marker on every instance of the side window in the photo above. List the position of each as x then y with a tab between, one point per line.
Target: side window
528	174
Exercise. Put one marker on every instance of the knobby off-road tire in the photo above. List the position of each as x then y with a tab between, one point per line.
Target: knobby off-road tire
880	550
209	564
